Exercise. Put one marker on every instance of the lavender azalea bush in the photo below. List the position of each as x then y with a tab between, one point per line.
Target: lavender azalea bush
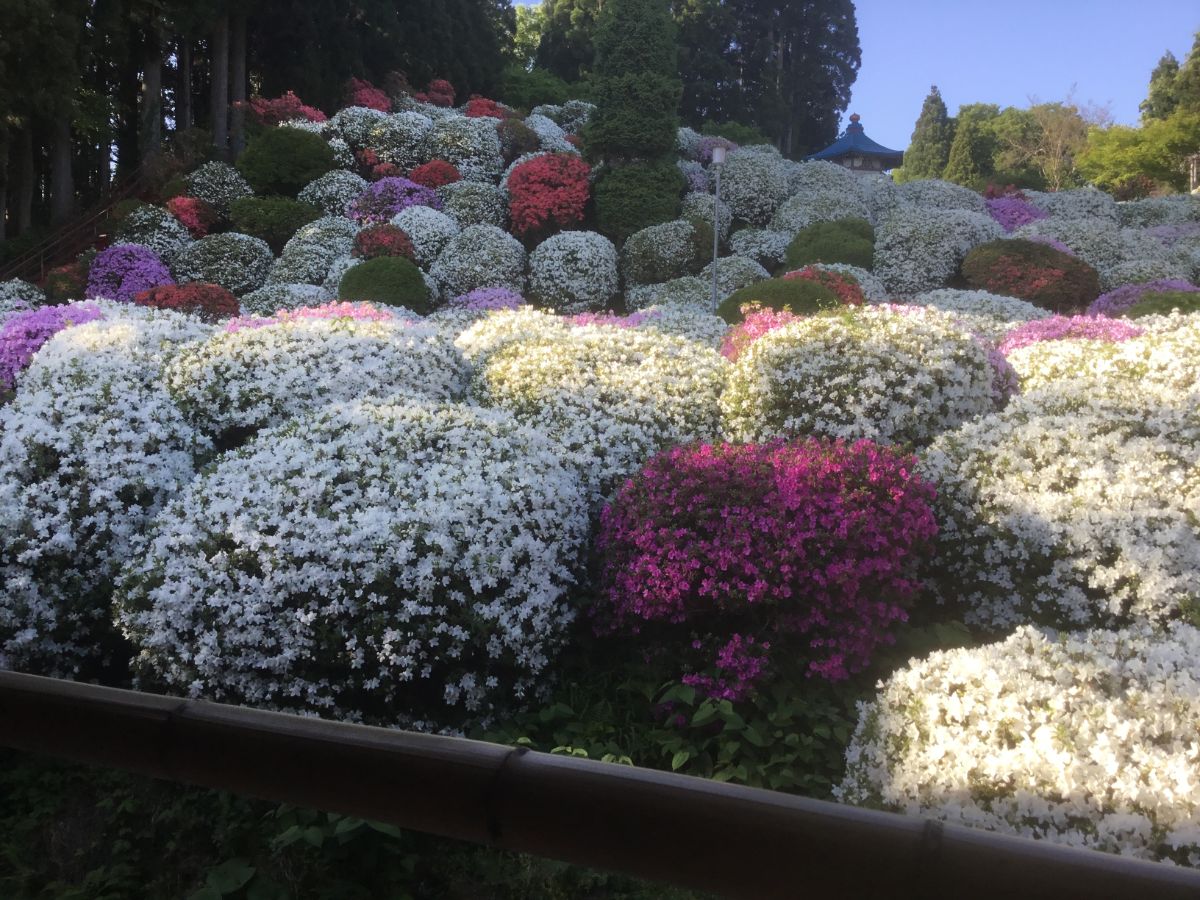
389	196
25	333
123	271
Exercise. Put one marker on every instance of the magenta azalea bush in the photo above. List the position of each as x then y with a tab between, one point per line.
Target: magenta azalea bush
1013	212
25	333
1067	328
1120	299
806	547
125	270
388	196
756	321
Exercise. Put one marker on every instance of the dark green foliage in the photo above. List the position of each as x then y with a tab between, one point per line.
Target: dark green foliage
1032	271
283	160
797	295
391	280
525	90
631	198
124	208
274	219
973	152
516	139
745	135
929	150
849	241
567	46
1160	303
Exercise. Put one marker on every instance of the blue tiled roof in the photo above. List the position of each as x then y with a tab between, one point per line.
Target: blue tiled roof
855	140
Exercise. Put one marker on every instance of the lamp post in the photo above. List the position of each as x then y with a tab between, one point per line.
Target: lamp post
718	160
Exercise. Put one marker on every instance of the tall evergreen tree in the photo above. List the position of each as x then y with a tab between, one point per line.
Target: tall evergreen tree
973	152
567	45
1160	100
929	150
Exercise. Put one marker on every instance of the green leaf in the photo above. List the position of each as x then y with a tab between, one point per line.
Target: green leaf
822	731
314	835
752	735
385	828
230	876
705	714
679	759
348	824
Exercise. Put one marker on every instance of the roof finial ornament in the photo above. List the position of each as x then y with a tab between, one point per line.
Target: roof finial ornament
854	117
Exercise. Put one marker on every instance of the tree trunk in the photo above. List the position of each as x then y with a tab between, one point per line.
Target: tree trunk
183	88
150	126
129	89
237	79
62	182
25	179
4	143
219	106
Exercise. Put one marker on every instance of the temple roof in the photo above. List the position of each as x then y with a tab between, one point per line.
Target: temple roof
855	140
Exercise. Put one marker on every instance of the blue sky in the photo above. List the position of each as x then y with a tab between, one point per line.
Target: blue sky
1007	53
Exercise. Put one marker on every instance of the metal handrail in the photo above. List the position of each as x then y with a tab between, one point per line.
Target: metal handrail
735	841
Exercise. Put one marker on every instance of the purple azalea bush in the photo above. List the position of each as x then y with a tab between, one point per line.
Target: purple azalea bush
26	332
125	270
1120	299
1066	328
488	298
1013	212
388	196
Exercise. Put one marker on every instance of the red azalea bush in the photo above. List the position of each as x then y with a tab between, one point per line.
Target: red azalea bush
270	112
363	93
435	174
210	302
382	240
548	192
439	93
193	214
733	553
845	286
481	107
66	283
1031	271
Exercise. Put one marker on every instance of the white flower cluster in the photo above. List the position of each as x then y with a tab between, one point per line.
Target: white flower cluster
400	139
501	327
1176	209
309	253
155	228
808	208
695	175
919	249
988	315
571	116
869	372
689	292
1071	507
238	382
480	256
429	231
18	296
552	138
686	322
1101	243
661	252
474	203
687	142
237	262
1086	739
767	247
90	448
700	207
1083	203
401	564
1136	271
935	194
820	177
733	274
612	397
470	145
354	125
574	271
333	192
271	298
754	184
218	184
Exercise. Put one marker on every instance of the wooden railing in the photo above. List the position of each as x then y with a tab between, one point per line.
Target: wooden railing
734	841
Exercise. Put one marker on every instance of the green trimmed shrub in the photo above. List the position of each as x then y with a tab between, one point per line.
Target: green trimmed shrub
797	295
283	160
631	198
1160	303
849	241
390	280
274	219
1036	272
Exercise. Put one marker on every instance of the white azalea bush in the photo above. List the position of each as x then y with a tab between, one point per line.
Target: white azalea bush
18	296
470	145
474	203
333	192
699	206
919	249
499	328
935	194
573	272
989	315
251	375
1087	739
1082	203
402	564
309	253
1137	271
237	262
271	298
1175	209
550	135
754	184
612	397
871	372
659	253
1074	507
429	231
686	322
690	292
218	184
821	201
399	139
153	227
90	448
733	274
763	245
480	256
354	125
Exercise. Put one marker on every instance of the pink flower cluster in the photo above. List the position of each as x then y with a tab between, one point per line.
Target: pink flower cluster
741	663
339	310
756	321
1067	328
810	547
363	93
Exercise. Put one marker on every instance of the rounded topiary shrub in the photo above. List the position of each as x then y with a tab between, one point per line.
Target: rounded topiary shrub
273	219
663	252
573	272
283	160
391	280
751	543
237	262
123	271
848	241
209	302
1032	271
416	575
382	240
802	297
634	197
1161	303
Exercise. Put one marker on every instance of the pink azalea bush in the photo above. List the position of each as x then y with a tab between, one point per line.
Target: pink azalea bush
756	321
739	552
339	310
363	93
1066	328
